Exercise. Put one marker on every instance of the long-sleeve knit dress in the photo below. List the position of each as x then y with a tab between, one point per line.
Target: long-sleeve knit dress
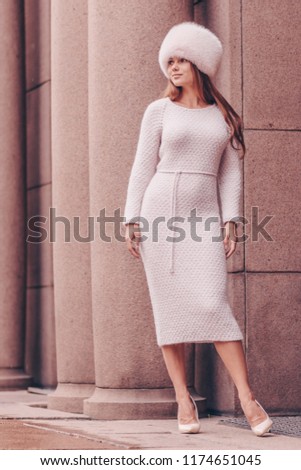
184	185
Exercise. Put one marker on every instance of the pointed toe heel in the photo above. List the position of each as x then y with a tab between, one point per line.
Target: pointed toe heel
263	427
190	428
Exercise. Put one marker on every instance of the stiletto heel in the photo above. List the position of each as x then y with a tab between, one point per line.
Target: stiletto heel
263	427
190	428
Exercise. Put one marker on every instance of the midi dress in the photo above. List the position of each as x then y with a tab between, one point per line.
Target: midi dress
185	183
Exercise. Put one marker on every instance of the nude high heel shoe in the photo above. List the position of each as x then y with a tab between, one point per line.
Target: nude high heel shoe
263	427
190	428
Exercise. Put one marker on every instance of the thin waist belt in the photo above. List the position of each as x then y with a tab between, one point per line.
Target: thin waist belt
173	200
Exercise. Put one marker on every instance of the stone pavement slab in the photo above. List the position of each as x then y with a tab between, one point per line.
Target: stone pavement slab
18	435
163	434
24	410
22	404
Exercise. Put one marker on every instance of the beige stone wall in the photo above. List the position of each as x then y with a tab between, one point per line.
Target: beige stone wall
260	77
271	107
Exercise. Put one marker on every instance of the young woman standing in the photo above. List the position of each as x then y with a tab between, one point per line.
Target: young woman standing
186	177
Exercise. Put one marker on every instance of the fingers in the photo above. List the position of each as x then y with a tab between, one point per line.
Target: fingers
230	238
231	250
133	247
132	237
230	246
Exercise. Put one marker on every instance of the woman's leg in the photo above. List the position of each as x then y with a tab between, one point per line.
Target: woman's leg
174	358
233	356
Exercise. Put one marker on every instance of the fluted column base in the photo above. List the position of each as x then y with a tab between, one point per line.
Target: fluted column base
108	403
14	379
70	397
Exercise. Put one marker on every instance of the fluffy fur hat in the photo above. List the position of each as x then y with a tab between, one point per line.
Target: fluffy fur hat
195	43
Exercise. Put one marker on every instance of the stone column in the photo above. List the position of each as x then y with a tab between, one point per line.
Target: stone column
212	379
124	76
12	196
70	180
40	357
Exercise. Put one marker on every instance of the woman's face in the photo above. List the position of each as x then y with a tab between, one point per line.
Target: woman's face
180	71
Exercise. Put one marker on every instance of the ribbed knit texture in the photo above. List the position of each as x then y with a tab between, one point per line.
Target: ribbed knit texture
185	167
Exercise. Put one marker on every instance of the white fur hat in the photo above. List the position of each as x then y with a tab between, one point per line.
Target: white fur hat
195	43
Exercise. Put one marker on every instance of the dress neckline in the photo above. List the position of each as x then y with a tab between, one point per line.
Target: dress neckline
191	109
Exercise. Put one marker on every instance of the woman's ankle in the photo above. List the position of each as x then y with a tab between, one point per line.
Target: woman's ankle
246	397
182	394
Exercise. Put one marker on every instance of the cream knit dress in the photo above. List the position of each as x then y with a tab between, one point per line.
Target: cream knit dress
185	182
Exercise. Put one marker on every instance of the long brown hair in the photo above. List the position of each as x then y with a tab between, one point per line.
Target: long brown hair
208	92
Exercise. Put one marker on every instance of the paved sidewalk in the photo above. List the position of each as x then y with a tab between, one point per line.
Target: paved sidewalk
26	423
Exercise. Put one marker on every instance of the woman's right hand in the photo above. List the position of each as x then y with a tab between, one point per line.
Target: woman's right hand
132	237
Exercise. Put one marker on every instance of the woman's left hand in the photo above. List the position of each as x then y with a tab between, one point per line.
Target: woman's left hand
230	239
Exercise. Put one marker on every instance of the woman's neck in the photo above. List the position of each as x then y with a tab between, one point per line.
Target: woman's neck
190	99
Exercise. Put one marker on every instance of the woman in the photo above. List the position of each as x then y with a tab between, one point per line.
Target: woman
187	170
